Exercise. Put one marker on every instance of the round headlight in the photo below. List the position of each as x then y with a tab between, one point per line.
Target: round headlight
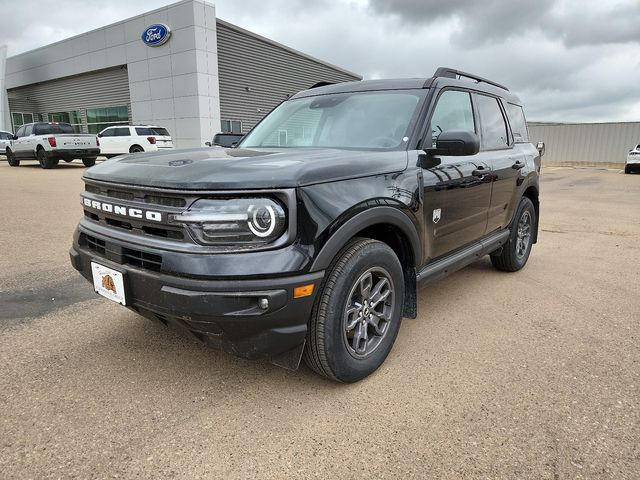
235	221
262	220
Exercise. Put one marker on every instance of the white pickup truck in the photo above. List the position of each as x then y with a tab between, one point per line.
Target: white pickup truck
50	142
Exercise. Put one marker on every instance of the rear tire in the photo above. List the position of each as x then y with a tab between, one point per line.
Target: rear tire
515	252
136	149
356	316
89	162
11	159
45	161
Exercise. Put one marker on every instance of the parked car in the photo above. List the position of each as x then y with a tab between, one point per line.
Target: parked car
228	140
117	140
5	140
310	239
633	160
50	142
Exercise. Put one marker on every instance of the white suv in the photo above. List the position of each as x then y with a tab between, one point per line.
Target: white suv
121	139
633	160
5	140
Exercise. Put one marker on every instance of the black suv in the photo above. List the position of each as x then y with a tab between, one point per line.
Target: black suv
312	237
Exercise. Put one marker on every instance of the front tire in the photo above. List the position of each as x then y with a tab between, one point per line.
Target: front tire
357	314
11	159
45	161
627	169
89	162
515	252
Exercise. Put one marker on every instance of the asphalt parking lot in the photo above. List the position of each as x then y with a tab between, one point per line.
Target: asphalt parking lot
528	375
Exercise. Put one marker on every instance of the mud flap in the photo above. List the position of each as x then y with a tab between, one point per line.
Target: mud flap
290	359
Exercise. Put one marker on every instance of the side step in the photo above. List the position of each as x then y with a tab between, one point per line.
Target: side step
432	272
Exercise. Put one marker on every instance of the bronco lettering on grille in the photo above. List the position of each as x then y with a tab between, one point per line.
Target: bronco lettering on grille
124	211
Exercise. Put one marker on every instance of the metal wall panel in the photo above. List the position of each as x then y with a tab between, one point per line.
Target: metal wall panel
102	88
586	143
256	74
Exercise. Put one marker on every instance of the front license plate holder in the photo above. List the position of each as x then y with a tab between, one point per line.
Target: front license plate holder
108	282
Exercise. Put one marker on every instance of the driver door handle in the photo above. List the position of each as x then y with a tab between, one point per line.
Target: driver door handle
518	165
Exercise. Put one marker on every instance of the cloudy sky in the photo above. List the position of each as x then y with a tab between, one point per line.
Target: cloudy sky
569	60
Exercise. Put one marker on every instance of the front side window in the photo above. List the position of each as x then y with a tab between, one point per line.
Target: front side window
494	128
20	132
453	112
359	120
28	130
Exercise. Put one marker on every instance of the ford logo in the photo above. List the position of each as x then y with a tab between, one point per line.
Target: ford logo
156	34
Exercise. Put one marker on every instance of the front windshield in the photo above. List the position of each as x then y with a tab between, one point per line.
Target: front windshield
360	120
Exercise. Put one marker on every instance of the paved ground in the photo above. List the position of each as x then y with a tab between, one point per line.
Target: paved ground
527	375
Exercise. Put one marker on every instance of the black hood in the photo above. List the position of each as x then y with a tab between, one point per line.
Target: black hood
220	169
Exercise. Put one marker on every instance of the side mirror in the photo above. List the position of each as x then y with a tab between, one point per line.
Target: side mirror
234	144
456	143
99	135
541	148
208	144
15	137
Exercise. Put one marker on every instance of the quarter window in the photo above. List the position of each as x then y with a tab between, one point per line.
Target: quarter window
453	112
493	126
518	123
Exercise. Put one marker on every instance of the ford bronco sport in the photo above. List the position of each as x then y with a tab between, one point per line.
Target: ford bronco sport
310	239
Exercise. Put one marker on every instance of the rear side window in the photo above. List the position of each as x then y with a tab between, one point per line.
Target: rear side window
518	123
453	112
144	131
493	126
121	132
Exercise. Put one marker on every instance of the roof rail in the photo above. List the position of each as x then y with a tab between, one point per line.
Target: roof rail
320	84
453	73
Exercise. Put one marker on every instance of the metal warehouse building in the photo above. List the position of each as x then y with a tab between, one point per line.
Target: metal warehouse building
202	76
586	144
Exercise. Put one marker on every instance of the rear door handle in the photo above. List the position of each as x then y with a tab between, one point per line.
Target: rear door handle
518	165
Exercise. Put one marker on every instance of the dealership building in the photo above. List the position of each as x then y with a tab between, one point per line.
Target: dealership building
178	67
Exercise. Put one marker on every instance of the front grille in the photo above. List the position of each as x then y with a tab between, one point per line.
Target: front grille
122	255
96	244
148	261
166	201
141	200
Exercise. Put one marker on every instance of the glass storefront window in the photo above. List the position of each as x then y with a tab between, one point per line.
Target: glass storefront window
72	117
20	118
100	118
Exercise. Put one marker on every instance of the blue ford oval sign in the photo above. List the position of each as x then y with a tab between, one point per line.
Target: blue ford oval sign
156	34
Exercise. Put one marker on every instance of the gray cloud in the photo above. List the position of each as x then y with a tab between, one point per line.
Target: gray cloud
568	60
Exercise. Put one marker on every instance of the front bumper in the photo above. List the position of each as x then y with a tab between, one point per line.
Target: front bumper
227	313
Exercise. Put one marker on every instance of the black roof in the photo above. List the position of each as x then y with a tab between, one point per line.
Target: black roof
443	77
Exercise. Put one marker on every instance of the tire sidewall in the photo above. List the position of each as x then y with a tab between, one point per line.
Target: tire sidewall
344	365
525	205
11	159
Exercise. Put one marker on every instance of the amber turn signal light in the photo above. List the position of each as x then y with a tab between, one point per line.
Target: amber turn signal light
303	291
